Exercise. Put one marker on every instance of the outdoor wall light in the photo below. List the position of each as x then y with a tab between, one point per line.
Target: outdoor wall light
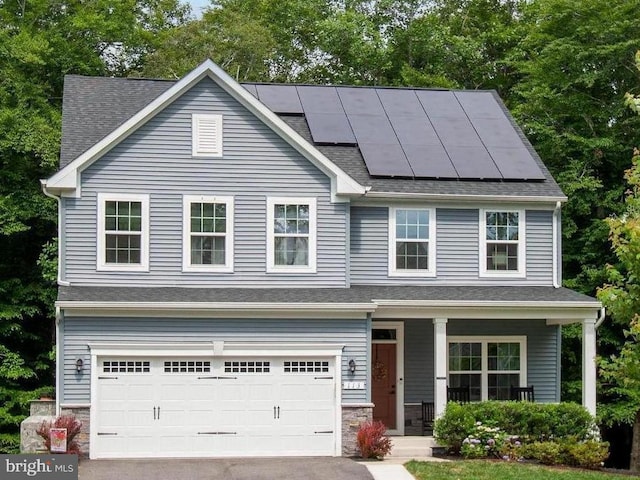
79	365
352	366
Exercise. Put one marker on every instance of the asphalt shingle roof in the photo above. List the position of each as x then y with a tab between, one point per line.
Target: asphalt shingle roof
95	106
355	294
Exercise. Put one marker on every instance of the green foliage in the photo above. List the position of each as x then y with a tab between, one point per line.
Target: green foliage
528	421
484	441
588	454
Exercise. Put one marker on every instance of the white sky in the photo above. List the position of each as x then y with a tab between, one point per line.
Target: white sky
197	6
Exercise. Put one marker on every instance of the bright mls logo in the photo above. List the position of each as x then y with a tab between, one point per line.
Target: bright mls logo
51	467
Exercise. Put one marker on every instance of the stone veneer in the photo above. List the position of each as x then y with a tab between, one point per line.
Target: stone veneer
352	418
82	414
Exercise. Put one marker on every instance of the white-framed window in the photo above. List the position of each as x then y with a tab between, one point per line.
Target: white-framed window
490	366
291	235
123	232
206	135
207	234
412	242
502	243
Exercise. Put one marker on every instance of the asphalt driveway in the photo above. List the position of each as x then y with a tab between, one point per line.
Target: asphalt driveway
313	468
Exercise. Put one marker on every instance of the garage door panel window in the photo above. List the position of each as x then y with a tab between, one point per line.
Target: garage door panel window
187	366
306	366
251	366
489	366
126	366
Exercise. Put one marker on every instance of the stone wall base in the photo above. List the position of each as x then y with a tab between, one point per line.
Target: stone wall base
82	414
352	418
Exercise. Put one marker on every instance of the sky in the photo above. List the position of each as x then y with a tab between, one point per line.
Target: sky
197	6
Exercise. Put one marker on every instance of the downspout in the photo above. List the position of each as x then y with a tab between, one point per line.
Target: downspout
59	320
555	240
59	200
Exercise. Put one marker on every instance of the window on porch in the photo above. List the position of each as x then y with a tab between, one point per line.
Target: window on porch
489	367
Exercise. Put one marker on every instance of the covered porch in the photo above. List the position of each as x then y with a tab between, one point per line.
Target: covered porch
420	348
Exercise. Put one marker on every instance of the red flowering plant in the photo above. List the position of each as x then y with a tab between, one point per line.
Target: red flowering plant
67	422
372	442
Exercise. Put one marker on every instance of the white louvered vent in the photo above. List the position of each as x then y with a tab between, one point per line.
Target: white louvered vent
207	135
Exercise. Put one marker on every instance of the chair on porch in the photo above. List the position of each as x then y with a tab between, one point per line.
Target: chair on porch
458	394
522	394
428	416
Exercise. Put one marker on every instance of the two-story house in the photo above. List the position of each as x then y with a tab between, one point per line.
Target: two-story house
255	269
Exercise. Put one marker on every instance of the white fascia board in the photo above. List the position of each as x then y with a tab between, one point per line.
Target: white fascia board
487	304
68	177
549	201
218	310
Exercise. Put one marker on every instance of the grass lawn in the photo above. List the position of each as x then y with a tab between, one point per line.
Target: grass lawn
492	470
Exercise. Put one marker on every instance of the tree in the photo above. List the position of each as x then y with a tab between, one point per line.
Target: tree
40	42
622	298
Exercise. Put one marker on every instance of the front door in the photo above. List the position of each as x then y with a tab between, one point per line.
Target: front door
383	383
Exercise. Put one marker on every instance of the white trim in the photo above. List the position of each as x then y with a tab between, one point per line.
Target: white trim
484	373
68	178
399	342
187	200
198	121
589	371
431	265
521	242
440	362
473	199
359	405
101	264
312	235
59	358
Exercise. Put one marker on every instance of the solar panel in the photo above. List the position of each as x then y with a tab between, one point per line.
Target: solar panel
360	101
385	160
399	102
414	130
473	162
372	129
516	163
280	98
440	103
480	104
456	132
330	128
251	88
497	132
429	161
319	99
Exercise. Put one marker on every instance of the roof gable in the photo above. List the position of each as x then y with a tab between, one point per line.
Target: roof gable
67	180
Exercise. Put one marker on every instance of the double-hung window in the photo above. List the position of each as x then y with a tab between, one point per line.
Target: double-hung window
412	242
123	232
208	233
489	366
502	243
291	235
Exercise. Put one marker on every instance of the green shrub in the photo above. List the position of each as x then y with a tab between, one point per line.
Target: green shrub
589	454
454	426
547	453
484	441
528	421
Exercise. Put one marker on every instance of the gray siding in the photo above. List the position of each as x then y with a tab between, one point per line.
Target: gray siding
79	332
157	160
457	248
542	353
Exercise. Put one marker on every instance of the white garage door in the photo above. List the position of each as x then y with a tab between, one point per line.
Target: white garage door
194	407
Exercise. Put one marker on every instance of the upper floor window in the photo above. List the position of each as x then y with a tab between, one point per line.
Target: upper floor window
206	135
489	366
412	242
502	243
208	233
123	232
291	235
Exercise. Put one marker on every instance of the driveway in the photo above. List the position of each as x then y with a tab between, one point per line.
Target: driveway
225	469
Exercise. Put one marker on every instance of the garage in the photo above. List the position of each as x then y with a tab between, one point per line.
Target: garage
205	406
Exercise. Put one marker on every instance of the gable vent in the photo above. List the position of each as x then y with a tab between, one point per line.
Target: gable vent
207	135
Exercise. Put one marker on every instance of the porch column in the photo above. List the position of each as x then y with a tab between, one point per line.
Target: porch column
589	364
440	365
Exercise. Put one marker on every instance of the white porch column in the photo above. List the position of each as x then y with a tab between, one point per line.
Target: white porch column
589	364
440	365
